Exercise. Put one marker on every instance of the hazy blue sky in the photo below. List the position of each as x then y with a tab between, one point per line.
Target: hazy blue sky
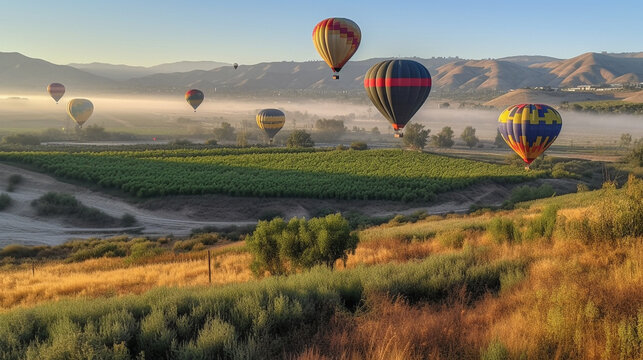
152	32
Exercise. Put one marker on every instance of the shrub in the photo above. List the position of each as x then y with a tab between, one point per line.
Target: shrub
503	230
279	247
14	180
18	251
128	220
452	239
544	225
359	145
495	351
527	193
52	204
299	138
211	142
21	139
5	201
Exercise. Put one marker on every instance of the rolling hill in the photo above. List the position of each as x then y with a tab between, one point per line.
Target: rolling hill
522	96
126	72
18	72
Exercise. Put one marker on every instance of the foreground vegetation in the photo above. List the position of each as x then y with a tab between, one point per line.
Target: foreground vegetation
371	174
560	277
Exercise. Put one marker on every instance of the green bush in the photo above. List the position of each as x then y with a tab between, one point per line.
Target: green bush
503	231
359	145
18	251
619	214
57	204
453	238
14	180
279	247
495	351
5	201
128	220
544	225
527	193
21	139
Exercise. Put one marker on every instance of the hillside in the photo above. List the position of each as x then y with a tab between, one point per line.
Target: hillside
635	98
126	72
558	277
19	72
522	96
593	68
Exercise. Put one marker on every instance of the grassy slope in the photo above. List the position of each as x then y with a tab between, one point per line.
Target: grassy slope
545	298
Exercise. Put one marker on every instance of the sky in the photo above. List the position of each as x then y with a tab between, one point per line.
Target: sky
142	32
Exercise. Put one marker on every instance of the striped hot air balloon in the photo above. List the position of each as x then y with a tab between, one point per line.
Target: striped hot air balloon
529	129
336	40
398	89
271	121
80	110
194	97
56	91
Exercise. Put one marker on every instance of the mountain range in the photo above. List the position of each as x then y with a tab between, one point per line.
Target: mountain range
19	73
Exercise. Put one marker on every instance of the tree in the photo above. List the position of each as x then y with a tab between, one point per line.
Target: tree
444	105
375	131
444	139
280	248
94	132
499	141
242	141
21	139
300	138
359	145
225	132
415	136
626	140
329	129
469	137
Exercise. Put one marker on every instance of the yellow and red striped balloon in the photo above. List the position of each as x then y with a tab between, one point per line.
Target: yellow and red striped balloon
336	40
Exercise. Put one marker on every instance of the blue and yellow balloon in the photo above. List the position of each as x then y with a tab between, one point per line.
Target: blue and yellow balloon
529	129
80	110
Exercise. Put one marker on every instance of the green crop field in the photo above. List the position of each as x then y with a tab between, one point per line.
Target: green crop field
373	174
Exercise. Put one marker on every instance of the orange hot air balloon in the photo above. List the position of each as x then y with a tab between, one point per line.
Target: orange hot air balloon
336	40
56	91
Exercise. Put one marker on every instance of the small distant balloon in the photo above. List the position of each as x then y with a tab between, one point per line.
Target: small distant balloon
529	129
336	40
235	66
80	110
271	121
56	91
194	97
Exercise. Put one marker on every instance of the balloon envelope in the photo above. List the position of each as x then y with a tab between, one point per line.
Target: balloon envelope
194	97
271	121
529	129
80	110
336	40
56	91
235	66
398	89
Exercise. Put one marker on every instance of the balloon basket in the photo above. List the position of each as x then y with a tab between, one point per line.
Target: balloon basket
399	135
335	77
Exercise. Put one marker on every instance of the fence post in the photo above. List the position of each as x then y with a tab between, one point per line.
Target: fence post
209	269
33	267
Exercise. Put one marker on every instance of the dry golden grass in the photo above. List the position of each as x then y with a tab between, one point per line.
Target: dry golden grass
113	276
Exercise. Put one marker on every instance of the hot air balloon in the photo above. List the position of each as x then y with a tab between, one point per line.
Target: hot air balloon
235	66
529	129
194	97
398	88
80	110
56	91
336	40
271	121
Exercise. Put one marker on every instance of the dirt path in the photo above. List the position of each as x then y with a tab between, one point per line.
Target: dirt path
178	215
20	224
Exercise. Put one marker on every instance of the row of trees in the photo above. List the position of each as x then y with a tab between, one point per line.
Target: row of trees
417	137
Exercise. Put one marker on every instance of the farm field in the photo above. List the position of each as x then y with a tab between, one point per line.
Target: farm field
324	174
556	277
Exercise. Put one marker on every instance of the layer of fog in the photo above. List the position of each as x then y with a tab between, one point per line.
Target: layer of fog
37	111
